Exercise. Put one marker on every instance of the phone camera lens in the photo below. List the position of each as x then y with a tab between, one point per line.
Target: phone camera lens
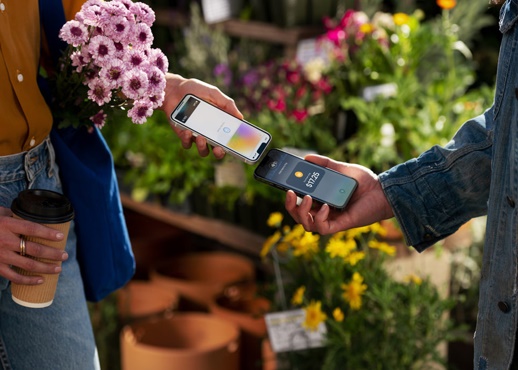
273	164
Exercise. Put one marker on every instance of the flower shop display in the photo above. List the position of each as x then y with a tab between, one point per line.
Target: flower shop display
109	65
372	320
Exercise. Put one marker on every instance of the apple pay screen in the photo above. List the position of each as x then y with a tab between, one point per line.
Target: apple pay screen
221	127
327	186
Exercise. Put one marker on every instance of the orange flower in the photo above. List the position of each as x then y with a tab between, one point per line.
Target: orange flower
447	4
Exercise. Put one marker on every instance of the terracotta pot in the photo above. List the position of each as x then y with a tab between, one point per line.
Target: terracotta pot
185	341
248	314
142	299
201	276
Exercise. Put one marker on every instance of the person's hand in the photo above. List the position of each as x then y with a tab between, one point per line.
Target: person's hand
176	88
11	230
367	205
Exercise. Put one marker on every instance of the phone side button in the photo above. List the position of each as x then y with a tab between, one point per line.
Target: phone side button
299	200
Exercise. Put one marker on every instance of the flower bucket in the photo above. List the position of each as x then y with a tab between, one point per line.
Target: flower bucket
247	313
185	341
201	276
143	299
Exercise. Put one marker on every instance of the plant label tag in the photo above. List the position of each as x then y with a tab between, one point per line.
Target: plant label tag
286	332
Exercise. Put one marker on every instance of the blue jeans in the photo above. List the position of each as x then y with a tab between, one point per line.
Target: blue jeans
58	337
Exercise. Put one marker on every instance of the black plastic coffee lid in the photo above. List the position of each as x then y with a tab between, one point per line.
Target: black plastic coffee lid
43	206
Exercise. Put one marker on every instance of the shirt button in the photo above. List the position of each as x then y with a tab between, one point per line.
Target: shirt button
32	142
2	6
19	77
510	201
504	307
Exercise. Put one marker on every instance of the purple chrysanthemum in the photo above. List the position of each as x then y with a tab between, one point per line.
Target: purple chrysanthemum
158	59
101	48
140	112
156	81
112	73
99	119
74	33
117	28
143	37
135	59
143	13
157	100
99	92
134	84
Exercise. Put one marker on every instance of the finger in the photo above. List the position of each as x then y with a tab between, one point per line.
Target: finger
218	152
290	204
28	228
304	213
325	162
321	220
201	145
42	251
8	273
5	212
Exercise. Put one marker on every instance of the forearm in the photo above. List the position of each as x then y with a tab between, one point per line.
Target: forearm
434	194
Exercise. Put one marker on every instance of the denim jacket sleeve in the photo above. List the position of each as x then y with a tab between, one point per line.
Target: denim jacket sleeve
434	194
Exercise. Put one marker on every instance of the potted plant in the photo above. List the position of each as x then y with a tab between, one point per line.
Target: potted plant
342	281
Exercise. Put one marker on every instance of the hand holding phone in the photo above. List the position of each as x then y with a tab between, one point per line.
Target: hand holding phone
237	137
289	172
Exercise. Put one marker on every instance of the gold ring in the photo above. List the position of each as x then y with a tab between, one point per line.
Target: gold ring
22	245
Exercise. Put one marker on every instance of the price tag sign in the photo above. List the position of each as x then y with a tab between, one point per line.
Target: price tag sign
286	332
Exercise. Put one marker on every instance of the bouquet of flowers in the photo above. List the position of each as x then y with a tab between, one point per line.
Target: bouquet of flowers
109	64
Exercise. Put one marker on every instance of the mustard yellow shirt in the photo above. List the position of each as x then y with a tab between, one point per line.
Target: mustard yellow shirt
25	118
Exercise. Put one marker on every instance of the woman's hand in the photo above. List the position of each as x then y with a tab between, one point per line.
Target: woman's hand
367	205
176	88
11	231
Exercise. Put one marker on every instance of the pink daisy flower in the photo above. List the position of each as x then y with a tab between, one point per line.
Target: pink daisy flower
99	92
143	36
143	13
101	48
112	73
135	59
74	33
158	59
140	112
99	119
117	28
134	84
156	81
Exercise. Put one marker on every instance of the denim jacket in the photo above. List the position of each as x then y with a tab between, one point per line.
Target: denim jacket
476	173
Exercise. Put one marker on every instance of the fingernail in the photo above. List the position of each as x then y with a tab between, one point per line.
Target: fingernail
60	236
40	281
57	269
64	256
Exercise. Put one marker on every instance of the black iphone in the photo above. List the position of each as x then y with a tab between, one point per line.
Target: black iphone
289	172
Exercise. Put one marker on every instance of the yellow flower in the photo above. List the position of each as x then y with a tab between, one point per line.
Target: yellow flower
340	248
353	233
382	247
447	4
275	219
353	258
412	278
401	19
307	245
366	28
298	296
314	315
269	243
338	314
353	291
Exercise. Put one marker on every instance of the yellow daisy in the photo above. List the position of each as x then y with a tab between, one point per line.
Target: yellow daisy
275	219
314	315
298	296
353	291
338	314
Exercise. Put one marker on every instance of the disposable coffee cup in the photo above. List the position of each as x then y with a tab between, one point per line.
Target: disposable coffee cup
55	211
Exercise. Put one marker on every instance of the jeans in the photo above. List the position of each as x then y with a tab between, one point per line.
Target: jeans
58	337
